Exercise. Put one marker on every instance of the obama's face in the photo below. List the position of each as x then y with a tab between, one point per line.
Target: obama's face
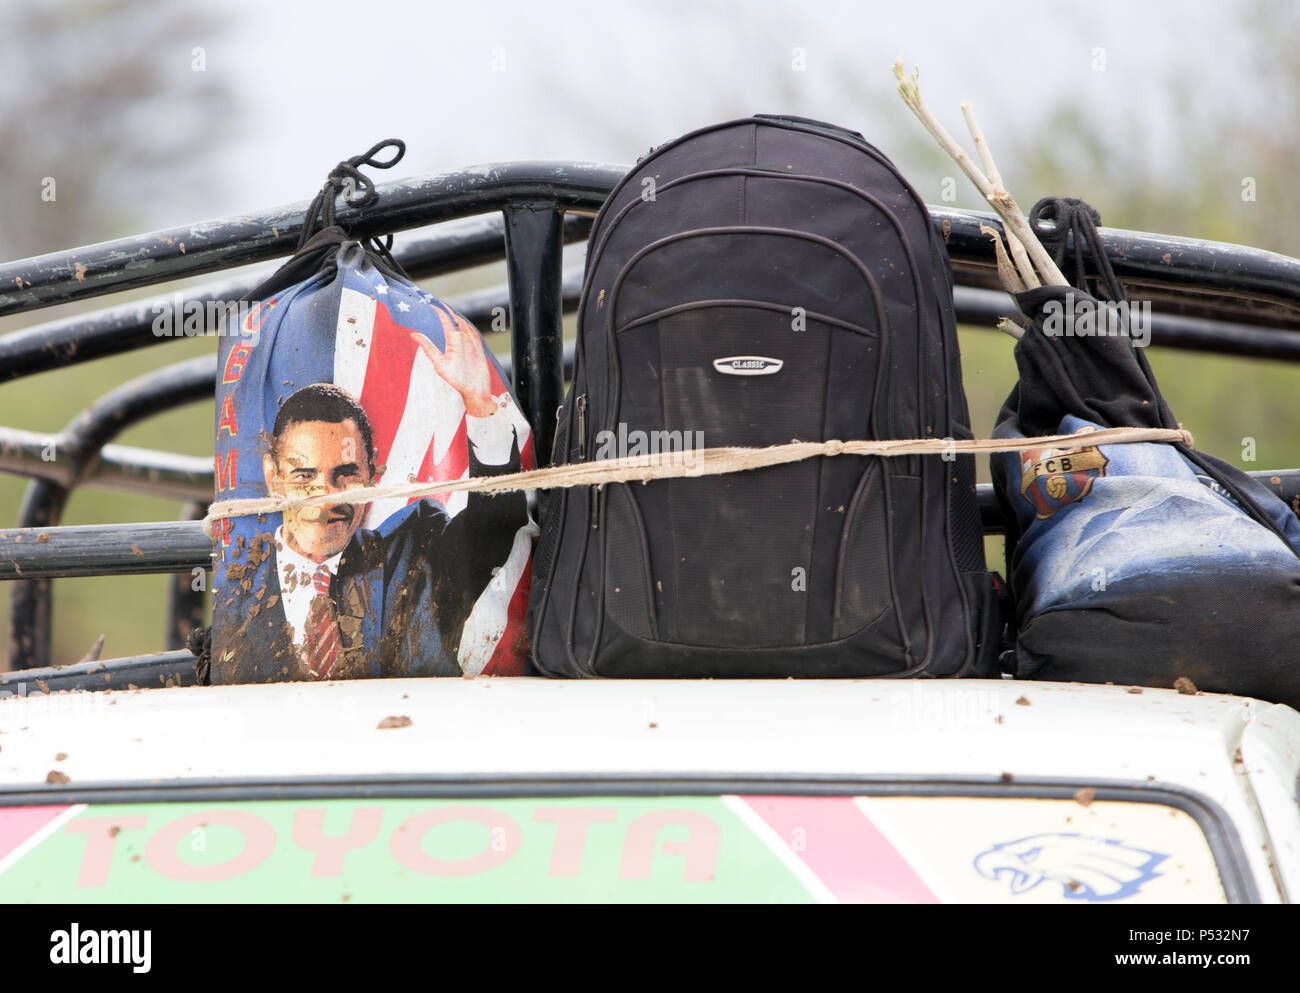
312	458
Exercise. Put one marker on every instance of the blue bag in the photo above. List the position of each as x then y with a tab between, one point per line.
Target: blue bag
1136	563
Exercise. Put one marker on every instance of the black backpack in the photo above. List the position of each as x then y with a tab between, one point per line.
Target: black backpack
754	283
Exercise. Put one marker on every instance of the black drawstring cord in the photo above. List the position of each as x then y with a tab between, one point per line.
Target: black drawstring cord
1054	219
360	192
384	249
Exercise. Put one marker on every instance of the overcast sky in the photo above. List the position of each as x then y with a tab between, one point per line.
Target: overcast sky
466	83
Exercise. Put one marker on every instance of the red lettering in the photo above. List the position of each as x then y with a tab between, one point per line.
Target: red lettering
407	842
227	422
226	469
221	530
261	312
571	825
235	363
329	850
258	843
699	849
101	840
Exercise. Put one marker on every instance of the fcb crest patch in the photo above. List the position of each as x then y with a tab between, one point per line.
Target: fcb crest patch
1052	478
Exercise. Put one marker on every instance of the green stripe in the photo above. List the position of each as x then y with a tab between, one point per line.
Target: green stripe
640	849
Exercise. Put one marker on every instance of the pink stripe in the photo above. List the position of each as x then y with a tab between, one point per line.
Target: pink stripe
841	846
17	824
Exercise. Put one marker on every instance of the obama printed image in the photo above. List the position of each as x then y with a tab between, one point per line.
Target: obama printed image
324	598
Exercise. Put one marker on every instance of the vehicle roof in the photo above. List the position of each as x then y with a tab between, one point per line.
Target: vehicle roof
538	726
1229	761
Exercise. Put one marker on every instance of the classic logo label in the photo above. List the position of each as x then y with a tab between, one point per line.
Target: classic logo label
1052	478
748	365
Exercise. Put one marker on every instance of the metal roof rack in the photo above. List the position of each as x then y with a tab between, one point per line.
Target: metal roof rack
1207	296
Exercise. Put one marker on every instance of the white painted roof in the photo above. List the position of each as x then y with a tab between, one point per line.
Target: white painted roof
523	726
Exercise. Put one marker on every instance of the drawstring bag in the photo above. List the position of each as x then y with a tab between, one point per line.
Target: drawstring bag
340	373
1140	563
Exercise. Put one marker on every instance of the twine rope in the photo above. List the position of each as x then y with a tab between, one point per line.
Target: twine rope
687	463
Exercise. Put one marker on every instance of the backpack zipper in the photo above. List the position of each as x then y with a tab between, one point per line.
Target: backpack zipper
580	407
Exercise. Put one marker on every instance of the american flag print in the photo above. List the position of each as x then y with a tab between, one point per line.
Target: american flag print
351	324
419	430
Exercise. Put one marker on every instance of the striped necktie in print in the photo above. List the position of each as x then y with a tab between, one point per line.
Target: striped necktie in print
323	644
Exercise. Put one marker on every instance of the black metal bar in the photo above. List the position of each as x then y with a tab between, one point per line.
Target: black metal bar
79	444
187	594
187	477
144	671
983	307
480	307
1214	278
119	467
122	328
144	470
104	549
1186	276
191	250
1194	284
146	395
990	513
169	546
1199	334
533	265
570	350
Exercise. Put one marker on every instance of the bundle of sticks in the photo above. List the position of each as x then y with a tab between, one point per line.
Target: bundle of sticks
1023	262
